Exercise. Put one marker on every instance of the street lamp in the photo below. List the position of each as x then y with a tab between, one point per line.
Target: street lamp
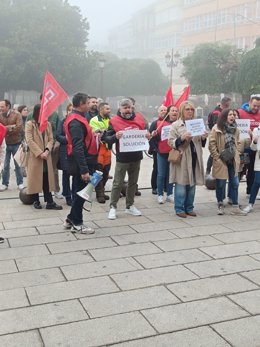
101	63
172	60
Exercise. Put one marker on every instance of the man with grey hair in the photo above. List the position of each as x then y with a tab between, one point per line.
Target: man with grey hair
126	162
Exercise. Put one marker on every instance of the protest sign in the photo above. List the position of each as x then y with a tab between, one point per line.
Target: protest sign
133	141
243	125
165	132
195	126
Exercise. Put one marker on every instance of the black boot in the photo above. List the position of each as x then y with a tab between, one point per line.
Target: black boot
100	193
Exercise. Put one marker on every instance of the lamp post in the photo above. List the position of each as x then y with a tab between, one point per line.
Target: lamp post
172	60
101	63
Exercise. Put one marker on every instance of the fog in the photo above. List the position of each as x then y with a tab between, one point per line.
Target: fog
103	15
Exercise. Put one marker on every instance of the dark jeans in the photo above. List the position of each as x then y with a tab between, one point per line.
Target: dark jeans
76	213
46	193
10	151
233	186
209	164
154	172
255	188
250	171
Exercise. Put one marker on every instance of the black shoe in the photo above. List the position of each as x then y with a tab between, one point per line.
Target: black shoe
154	191
138	193
101	199
106	197
2	240
37	205
53	206
69	201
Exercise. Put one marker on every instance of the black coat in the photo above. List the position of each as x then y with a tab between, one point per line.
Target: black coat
61	137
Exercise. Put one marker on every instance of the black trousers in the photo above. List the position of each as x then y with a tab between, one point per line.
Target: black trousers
45	187
154	172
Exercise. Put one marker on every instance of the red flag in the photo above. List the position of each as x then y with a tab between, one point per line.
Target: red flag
183	97
52	96
168	98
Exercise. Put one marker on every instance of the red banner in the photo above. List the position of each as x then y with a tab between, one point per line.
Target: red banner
168	98
52	97
183	97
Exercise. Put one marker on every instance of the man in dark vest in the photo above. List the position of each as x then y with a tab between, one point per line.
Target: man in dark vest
128	162
82	159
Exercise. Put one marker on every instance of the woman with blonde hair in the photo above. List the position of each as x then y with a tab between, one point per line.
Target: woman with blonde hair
190	171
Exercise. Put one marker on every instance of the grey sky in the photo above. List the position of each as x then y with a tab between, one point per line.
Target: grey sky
103	15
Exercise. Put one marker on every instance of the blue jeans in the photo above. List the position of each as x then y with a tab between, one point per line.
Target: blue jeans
11	150
163	175
184	198
233	186
255	187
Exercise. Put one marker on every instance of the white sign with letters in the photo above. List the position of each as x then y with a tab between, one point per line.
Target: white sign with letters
243	125
195	126
165	132
133	141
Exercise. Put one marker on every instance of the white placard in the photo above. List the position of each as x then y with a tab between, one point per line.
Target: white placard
195	126
165	132
243	125
133	141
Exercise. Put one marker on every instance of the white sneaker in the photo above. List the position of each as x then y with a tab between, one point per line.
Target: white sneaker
170	198
160	199
258	197
20	186
82	229
248	208
133	211
235	210
58	195
220	210
3	187
112	213
67	224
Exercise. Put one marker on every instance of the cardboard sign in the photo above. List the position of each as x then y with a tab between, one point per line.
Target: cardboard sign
133	141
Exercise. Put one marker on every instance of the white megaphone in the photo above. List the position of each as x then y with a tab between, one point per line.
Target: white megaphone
86	193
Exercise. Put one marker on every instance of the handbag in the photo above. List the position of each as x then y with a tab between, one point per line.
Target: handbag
21	155
175	156
227	154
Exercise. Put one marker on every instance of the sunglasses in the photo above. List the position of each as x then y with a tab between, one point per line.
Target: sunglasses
189	109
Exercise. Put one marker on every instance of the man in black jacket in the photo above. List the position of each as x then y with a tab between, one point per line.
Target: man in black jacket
81	161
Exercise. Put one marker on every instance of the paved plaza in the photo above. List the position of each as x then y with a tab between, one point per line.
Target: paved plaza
150	281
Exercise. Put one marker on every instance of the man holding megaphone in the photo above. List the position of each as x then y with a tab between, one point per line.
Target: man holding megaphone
82	159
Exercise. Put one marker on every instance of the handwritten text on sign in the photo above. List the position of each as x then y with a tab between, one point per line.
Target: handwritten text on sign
195	126
243	125
133	141
165	132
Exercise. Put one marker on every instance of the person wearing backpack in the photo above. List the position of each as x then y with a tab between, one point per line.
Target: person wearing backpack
212	120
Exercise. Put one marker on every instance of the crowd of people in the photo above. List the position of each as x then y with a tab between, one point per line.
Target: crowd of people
81	143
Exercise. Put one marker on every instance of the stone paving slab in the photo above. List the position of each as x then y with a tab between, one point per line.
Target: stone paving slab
20	252
143	237
28	339
41	239
153	277
30	318
254	276
250	301
127	301
121	220
124	251
148	227
224	266
7	266
232	250
192	242
198	337
80	245
239	236
110	231
70	290
171	258
10	233
53	260
30	278
211	287
193	314
33	223
98	332
13	299
101	268
247	224
241	332
202	230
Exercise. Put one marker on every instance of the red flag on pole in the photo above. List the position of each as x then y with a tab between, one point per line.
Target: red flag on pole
183	97
168	98
52	96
